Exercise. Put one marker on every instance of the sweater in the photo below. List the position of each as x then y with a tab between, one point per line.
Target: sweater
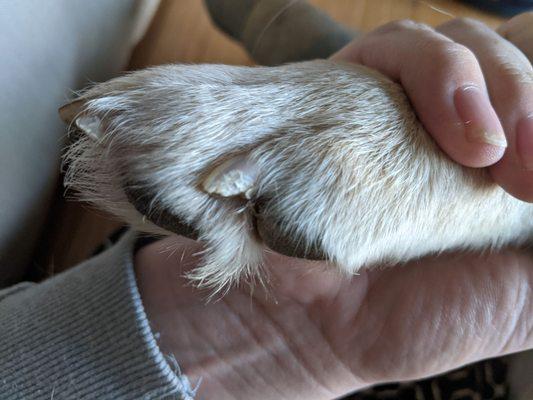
84	334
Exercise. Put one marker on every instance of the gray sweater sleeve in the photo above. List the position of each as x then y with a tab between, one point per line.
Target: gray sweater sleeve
83	334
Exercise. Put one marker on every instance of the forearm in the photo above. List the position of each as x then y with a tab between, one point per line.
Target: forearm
280	31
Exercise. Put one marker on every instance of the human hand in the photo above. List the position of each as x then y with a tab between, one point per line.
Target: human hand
318	335
471	88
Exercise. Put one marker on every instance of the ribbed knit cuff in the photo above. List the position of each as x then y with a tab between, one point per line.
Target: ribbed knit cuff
84	334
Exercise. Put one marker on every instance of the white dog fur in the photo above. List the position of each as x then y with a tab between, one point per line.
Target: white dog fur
332	152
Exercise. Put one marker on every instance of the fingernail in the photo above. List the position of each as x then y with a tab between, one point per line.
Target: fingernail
479	118
524	141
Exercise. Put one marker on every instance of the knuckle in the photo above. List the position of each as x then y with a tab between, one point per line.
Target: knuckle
449	54
518	78
466	23
521	21
401	25
520	24
513	71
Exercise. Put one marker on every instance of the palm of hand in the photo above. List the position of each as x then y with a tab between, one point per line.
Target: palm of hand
319	335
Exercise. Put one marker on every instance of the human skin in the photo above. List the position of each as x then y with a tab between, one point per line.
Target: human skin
435	66
317	335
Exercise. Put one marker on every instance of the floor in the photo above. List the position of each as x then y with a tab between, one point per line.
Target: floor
182	32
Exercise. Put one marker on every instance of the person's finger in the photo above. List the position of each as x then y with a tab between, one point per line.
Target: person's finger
509	77
519	31
444	82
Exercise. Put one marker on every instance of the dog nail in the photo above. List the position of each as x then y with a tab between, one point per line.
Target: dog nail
90	125
234	177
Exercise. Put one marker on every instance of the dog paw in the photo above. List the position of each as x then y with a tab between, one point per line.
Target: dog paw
317	160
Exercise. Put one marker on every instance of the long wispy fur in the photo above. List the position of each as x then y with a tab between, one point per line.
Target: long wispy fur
342	164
